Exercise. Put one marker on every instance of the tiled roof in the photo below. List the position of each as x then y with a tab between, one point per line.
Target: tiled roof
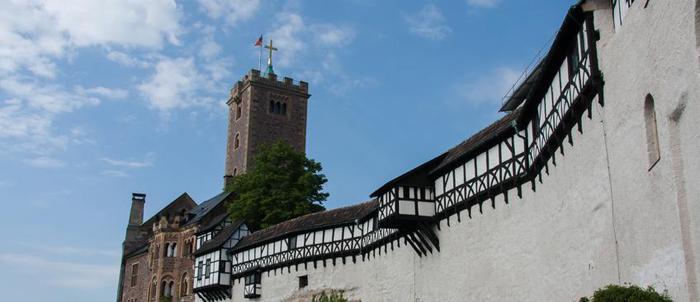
309	222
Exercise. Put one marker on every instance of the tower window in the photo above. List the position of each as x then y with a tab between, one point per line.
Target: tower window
278	107
653	151
238	110
236	141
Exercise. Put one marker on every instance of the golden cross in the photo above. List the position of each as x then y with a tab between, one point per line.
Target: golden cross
269	58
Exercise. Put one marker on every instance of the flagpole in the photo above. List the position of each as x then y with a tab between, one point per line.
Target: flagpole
260	58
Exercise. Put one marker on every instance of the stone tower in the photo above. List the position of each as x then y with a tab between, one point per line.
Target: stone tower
263	110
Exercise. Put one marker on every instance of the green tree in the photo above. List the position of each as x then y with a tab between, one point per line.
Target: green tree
631	293
281	185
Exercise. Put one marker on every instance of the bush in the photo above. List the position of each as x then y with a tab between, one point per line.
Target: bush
632	293
334	296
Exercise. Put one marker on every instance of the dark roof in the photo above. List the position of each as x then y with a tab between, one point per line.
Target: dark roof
212	223
138	251
416	177
220	238
204	208
183	202
477	141
308	222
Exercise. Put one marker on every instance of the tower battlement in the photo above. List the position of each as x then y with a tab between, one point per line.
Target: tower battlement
271	80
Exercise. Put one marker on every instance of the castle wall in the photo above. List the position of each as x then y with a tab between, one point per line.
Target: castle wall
656	211
555	244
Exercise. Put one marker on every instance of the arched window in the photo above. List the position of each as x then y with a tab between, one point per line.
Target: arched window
173	250
167	288
235	171
238	110
284	108
166	250
272	106
653	150
278	108
183	285
236	141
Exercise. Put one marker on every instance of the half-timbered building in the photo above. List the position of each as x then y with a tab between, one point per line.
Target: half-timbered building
585	180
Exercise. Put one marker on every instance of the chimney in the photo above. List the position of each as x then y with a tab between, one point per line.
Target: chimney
138	200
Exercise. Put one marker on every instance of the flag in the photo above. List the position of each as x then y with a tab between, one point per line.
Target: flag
259	42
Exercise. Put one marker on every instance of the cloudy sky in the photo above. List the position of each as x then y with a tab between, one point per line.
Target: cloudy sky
99	99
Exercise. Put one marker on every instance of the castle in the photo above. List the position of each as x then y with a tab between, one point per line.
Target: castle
589	179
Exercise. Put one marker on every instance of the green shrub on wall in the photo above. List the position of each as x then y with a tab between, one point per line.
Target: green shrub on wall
333	296
632	293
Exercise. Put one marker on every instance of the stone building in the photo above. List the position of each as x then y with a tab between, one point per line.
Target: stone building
587	180
158	255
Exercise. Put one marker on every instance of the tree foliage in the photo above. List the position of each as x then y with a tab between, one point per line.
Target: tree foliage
632	293
333	296
281	185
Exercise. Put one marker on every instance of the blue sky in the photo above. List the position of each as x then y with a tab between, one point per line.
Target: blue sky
99	99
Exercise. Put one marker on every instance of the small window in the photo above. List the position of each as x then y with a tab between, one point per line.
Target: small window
272	106
199	270
134	274
207	269
235	172
166	250
303	281
236	141
284	108
652	133
238	110
278	108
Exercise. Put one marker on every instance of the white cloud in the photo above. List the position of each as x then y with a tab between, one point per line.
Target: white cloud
28	112
233	11
288	37
428	23
128	163
333	35
490	87
173	85
127	60
45	162
111	93
62	274
483	3
33	33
